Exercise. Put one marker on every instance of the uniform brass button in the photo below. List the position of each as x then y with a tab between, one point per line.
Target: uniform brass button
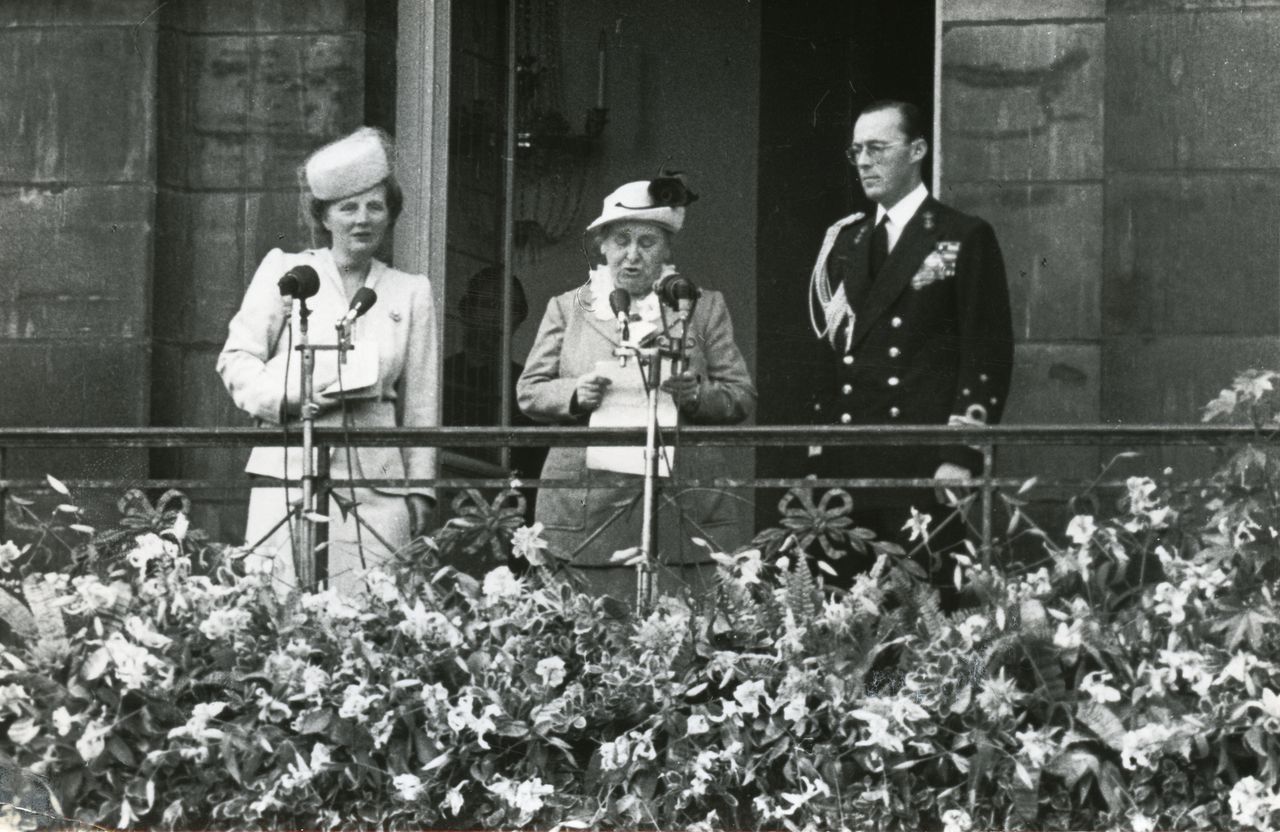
893	381
847	389
817	406
848	359
845	418
894	352
895	412
982	377
896	322
964	392
994	400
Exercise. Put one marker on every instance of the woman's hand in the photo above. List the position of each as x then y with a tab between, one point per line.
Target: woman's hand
686	389
589	391
422	514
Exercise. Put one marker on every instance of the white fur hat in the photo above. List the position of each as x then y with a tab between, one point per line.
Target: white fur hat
635	201
350	165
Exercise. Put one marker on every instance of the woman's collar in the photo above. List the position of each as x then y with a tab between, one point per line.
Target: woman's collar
600	281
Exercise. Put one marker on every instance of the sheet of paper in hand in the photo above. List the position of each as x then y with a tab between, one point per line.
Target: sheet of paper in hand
625	405
358	378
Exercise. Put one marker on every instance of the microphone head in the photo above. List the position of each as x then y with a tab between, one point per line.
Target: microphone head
300	282
675	288
363	299
620	301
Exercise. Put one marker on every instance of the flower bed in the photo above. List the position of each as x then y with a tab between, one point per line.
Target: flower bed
1126	678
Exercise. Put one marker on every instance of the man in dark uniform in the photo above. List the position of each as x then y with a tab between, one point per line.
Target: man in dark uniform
912	307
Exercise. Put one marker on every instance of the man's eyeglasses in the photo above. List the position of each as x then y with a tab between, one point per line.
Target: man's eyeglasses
875	150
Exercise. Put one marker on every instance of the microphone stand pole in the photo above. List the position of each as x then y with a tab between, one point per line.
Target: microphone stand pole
304	552
650	360
649	523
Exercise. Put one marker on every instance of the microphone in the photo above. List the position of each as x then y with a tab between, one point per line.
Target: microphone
678	292
300	282
620	303
360	303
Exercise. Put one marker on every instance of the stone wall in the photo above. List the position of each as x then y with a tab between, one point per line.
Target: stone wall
77	176
1127	154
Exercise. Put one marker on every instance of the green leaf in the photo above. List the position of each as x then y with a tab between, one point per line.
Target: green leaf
315	721
1072	764
1101	721
1248	625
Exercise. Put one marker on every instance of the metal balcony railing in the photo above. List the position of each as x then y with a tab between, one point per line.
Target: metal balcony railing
986	439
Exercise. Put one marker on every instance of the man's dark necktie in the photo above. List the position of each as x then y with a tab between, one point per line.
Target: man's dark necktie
879	246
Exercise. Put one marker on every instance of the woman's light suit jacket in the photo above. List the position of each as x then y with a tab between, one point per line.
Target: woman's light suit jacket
589	522
401	324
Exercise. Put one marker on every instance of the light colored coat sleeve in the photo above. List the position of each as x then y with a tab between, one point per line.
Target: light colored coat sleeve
541	392
252	363
420	381
726	395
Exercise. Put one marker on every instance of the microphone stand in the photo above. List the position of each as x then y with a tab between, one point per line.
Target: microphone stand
315	495
650	360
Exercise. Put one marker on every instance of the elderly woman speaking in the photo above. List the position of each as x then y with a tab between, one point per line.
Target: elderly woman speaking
590	520
351	199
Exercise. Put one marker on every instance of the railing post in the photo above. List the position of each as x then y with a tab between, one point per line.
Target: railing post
988	490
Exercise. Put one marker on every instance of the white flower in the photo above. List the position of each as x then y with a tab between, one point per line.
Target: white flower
1142	823
1081	529
180	526
878	733
500	583
918	523
1136	747
1269	704
133	663
796	709
697	724
1096	688
428	626
527	543
956	820
525	797
1037	746
1252	804
13	697
454	798
748	695
197	726
221	623
998	696
355	702
62	721
551	671
143	634
616	753
93	740
408	786
8	554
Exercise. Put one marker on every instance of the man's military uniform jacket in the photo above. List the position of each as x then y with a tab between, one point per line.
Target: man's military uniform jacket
928	340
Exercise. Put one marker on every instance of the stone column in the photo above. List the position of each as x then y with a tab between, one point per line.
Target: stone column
77	171
1021	145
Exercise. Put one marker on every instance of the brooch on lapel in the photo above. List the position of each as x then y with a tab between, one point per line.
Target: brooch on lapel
395	315
939	265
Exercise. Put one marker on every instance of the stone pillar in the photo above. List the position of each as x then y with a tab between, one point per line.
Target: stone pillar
77	163
246	90
1021	146
1191	294
1128	153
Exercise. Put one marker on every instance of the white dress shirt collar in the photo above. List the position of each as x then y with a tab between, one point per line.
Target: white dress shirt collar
902	212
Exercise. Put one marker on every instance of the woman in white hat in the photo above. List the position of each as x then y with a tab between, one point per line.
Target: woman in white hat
351	200
589	521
